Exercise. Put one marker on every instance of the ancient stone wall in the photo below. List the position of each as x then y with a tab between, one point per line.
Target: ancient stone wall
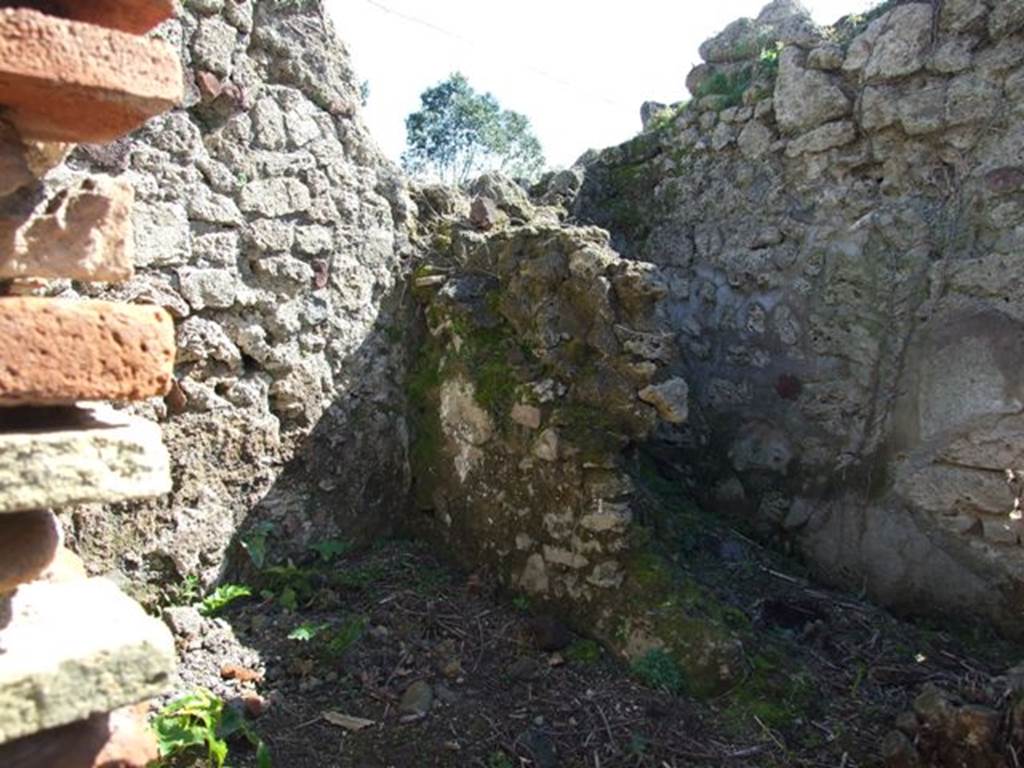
269	226
541	360
839	215
806	296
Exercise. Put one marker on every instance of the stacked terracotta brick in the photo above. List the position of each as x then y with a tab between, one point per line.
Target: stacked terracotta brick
76	655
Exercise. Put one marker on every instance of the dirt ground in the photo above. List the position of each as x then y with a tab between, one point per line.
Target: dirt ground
443	669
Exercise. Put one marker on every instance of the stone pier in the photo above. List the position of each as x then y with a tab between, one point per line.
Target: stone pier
78	658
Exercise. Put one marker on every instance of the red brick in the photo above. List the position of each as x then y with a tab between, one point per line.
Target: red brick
29	542
70	81
135	16
14	170
58	351
120	739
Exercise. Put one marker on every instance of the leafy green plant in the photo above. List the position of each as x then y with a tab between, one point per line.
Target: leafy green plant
343	639
666	117
289	599
328	549
729	85
584	652
290	584
186	592
521	603
499	760
255	543
768	61
201	721
659	670
217	600
307	631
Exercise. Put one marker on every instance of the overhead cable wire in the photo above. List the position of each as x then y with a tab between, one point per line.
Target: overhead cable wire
558	80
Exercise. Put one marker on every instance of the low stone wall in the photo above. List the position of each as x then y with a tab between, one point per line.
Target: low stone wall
542	358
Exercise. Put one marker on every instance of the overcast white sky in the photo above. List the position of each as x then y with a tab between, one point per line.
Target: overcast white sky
579	70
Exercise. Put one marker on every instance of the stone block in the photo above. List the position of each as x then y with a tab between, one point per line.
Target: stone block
81	456
905	38
806	98
58	351
84	232
70	81
670	398
135	16
823	138
29	542
75	649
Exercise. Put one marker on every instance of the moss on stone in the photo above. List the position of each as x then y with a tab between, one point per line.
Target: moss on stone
660	607
730	85
422	384
591	430
442	237
585	651
484	356
659	670
773	693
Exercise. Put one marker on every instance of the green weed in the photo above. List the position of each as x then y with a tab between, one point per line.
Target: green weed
343	639
659	670
307	631
499	760
187	592
584	652
201	721
217	600
255	543
328	549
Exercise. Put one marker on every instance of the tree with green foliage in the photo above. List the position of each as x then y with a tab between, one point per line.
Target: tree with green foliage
459	133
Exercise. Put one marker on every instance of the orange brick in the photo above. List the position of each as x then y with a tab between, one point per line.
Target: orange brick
135	16
121	738
58	351
70	81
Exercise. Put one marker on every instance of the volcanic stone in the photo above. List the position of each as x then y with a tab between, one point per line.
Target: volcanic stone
91	455
74	649
58	351
82	233
70	81
29	542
